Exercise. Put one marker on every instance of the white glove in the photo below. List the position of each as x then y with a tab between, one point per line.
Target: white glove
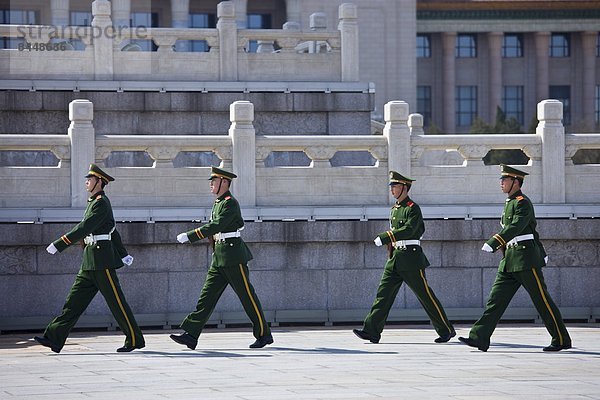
377	241
51	248
486	247
546	259
182	238
127	260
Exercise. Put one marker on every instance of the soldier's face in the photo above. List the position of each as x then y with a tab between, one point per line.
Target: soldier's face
90	183
396	190
506	184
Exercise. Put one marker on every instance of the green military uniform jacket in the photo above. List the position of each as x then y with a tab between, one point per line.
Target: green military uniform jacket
225	217
518	218
98	219
406	223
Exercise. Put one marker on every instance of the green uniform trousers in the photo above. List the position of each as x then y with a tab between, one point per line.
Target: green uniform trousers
216	282
84	289
386	294
503	290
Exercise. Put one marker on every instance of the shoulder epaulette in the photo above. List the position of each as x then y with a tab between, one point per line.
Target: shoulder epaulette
227	198
410	203
519	197
98	197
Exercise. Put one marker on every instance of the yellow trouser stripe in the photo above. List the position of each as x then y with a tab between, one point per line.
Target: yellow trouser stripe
112	284
539	283
252	299
433	301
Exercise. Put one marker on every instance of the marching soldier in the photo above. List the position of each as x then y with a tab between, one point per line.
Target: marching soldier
521	265
406	263
229	265
103	253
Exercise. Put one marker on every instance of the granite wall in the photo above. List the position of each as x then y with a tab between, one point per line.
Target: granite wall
321	272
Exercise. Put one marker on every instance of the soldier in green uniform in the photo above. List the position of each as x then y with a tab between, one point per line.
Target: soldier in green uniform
229	265
406	263
103	253
521	265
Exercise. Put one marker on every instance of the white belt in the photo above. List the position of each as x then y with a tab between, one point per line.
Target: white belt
520	238
219	237
401	244
91	239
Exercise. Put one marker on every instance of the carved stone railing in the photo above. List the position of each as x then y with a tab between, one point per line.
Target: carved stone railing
319	184
46	53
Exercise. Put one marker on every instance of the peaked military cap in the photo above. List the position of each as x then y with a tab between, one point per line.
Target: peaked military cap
221	173
510	172
98	173
396	178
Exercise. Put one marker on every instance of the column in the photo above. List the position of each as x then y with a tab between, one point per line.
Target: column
397	133
448	82
588	44
241	13
542	81
82	137
348	28
180	15
59	10
293	10
495	68
228	47
121	12
550	128
243	142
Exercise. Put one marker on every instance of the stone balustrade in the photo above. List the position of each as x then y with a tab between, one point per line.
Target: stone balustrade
319	184
108	54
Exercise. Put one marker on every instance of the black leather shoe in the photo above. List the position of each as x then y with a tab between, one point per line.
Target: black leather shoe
445	338
44	341
364	335
127	349
262	342
557	347
185	339
472	343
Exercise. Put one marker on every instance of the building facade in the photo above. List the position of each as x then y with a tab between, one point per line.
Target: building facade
452	61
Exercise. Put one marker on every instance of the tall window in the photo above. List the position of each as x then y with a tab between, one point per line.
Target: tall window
15	17
512	45
201	20
598	45
512	102
424	103
423	46
79	18
146	20
597	106
257	21
559	45
466	45
466	105
563	94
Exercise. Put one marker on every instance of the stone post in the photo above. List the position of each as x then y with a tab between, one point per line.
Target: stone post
415	124
317	23
228	48
348	28
102	31
243	142
552	133
82	137
397	133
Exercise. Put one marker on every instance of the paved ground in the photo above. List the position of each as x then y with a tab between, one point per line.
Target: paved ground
305	363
